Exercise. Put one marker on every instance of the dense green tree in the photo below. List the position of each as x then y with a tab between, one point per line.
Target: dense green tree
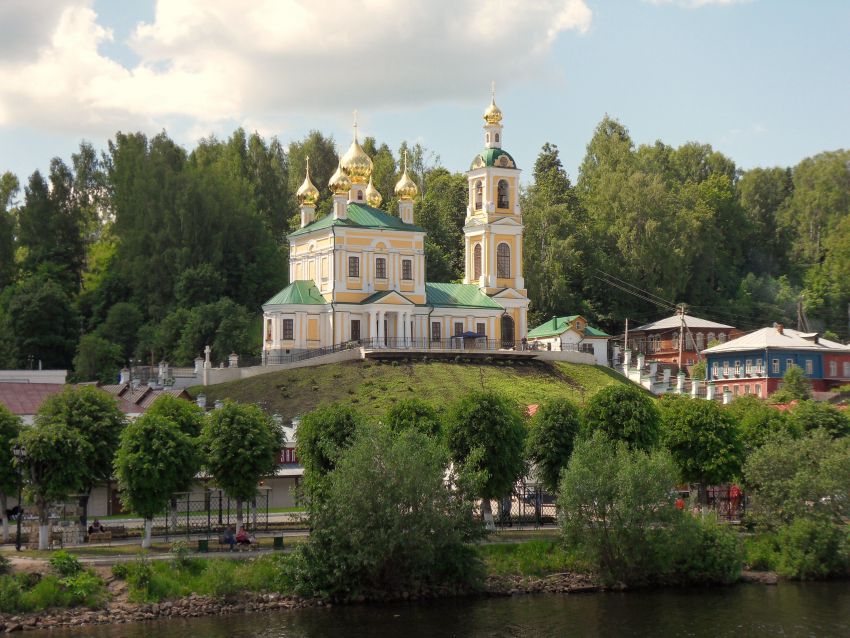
322	436
414	414
796	386
241	445
553	431
442	212
10	428
121	326
93	415
625	413
703	439
154	460
98	360
762	193
758	421
809	415
50	477
323	162
188	416
486	435
8	190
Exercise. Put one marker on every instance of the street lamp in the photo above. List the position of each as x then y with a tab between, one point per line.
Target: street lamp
20	457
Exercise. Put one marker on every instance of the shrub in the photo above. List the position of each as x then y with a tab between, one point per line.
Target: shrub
762	552
84	588
11	595
65	564
550	439
811	549
5	565
414	413
704	551
120	571
624	413
218	579
47	592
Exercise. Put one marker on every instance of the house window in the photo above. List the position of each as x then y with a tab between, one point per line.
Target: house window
774	366
722	337
480	330
846	369
476	261
435	331
833	368
354	266
502	189
737	368
355	329
380	268
746	388
725	368
690	342
288	329
268	329
789	363
735	389
407	269
714	370
503	261
479	194
700	341
458	328
758	389
759	366
710	338
748	367
810	368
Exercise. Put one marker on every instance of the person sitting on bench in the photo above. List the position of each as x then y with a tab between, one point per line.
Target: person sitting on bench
242	537
228	537
96	527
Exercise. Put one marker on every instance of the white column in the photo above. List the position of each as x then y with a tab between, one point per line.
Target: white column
491	261
371	333
404	329
381	314
709	391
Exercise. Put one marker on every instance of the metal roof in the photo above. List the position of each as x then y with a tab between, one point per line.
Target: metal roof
298	292
360	216
676	322
458	296
770	337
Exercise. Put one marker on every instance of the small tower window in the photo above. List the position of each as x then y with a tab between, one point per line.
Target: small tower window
476	261
487	138
479	194
503	194
503	261
497	138
359	196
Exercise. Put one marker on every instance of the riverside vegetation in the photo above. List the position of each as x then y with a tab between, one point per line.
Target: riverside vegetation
393	506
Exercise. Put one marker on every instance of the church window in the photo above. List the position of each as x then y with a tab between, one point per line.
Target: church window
435	331
503	261
359	196
488	138
479	194
381	267
458	328
497	138
407	269
476	261
354	266
288	329
503	194
355	329
480	330
268	329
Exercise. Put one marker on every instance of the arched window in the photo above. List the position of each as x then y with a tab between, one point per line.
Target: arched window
503	194
488	138
359	195
710	337
497	138
476	261
722	337
700	341
507	331
503	261
479	194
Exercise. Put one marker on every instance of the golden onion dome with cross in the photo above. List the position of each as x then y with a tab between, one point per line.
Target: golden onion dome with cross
355	162
339	182
493	114
373	197
405	188
307	194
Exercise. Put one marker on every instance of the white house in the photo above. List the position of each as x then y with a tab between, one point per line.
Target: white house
571	333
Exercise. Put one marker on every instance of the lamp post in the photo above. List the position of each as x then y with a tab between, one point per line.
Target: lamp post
20	457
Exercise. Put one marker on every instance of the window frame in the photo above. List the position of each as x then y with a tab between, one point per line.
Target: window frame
503	194
477	258
353	267
287	327
503	260
775	366
478	195
458	328
355	334
406	269
810	367
436	330
381	268
833	368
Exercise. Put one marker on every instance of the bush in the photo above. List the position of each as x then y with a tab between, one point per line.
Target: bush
624	412
84	588
811	549
46	593
762	552
550	439
11	595
120	571
218	579
5	565
65	564
704	551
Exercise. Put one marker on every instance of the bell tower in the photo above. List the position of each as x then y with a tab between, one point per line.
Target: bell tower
493	228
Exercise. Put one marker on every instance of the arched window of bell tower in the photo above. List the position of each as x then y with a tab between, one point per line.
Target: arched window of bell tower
497	138
504	200
476	261
479	194
503	261
487	138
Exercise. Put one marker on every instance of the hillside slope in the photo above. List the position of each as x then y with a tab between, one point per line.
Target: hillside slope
372	387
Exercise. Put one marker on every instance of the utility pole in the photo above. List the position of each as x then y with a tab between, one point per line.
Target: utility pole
626	341
681	308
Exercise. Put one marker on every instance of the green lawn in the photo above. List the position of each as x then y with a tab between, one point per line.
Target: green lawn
372	387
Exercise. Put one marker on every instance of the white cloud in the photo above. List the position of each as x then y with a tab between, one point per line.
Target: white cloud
209	61
696	4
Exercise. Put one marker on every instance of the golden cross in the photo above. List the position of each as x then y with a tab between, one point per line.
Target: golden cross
355	125
493	90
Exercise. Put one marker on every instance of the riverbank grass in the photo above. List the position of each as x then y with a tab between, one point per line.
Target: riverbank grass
530	558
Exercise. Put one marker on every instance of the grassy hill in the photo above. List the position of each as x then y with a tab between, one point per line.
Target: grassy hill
372	387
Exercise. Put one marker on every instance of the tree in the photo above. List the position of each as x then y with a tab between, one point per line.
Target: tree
551	437
322	436
8	189
10	428
758	421
485	434
188	416
414	414
808	416
390	522
155	459
625	413
94	416
703	439
121	325
52	476
97	360
795	387
241	445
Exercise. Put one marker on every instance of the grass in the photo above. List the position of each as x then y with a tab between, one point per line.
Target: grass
529	558
372	386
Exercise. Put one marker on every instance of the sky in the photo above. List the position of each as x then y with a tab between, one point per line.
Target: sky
767	82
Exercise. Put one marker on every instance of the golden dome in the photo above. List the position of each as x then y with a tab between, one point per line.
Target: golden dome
373	197
356	163
493	114
307	194
405	188
339	183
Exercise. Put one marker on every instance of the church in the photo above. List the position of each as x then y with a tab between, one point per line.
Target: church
358	274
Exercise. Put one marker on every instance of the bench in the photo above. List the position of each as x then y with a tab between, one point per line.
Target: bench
100	537
117	531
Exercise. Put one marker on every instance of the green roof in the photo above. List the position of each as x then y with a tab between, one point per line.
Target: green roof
488	157
298	292
458	296
380	295
557	325
360	216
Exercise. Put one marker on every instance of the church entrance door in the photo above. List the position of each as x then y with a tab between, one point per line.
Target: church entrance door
508	339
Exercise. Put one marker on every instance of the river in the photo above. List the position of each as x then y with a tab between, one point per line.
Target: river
788	610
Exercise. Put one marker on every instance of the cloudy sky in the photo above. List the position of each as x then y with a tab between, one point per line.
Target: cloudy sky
765	81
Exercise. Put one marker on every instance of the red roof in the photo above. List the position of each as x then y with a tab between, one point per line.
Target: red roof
26	398
531	410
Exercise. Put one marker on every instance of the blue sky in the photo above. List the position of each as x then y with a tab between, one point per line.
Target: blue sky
764	81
